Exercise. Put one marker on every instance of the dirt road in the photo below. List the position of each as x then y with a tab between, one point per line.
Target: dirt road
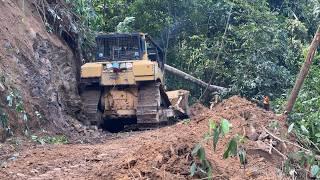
94	161
71	161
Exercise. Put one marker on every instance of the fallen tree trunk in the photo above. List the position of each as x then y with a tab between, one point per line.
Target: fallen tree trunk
192	79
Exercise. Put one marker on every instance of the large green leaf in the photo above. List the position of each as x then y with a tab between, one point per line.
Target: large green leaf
206	164
196	149
231	150
212	125
193	169
216	134
201	154
225	126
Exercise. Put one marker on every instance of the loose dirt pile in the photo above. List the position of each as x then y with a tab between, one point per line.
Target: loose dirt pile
162	153
168	156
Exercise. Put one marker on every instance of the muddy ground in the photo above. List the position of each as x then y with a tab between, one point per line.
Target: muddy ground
163	153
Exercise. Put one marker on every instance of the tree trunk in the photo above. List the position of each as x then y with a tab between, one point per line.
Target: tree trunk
192	79
303	72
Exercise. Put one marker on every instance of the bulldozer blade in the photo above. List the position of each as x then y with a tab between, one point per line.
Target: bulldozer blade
179	102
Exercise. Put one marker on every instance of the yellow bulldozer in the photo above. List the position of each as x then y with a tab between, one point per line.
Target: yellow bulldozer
125	84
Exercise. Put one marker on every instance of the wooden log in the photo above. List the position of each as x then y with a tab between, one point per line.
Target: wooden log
303	72
192	79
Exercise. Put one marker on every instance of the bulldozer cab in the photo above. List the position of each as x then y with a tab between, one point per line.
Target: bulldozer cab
128	47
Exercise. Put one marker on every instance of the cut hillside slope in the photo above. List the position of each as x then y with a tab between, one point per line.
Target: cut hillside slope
163	153
38	74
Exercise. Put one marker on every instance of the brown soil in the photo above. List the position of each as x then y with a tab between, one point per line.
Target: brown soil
158	154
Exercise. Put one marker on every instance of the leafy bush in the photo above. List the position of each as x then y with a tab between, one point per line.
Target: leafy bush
50	139
234	148
125	26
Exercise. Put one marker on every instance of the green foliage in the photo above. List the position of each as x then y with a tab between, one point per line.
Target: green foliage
199	152
274	125
14	98
196	149
50	139
231	149
212	125
15	102
298	161
19	107
204	165
222	129
214	133
278	105
259	54
193	169
4	120
225	126
125	26
100	15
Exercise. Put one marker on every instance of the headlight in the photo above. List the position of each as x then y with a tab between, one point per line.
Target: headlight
109	66
129	65
122	66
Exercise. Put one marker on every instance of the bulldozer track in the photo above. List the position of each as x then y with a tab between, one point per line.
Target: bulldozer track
149	109
90	99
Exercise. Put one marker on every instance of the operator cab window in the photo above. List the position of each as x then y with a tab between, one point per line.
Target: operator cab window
118	48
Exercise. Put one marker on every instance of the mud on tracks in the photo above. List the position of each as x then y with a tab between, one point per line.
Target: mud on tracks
158	154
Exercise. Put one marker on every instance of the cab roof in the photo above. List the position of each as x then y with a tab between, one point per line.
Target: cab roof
108	35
